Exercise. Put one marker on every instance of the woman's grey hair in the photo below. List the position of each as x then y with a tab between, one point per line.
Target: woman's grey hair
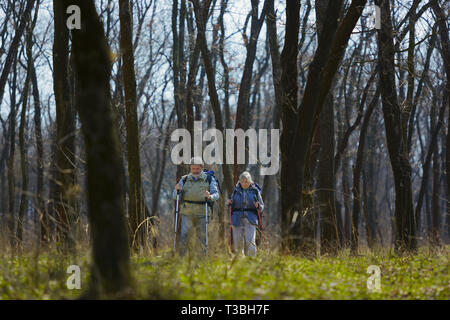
247	176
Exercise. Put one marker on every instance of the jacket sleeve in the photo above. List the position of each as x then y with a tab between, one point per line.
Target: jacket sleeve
174	194
213	189
260	201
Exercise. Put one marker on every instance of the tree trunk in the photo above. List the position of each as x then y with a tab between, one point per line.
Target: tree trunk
136	204
201	14
329	236
12	150
445	52
289	83
297	135
23	150
39	205
276	64
404	214
435	234
65	192
411	74
111	255
177	52
242	109
357	173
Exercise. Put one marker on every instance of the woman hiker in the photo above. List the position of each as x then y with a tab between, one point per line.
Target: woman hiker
245	202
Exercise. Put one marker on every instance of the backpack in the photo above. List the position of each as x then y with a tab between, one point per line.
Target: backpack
209	176
258	187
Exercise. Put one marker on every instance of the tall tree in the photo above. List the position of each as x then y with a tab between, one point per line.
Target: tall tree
201	10
64	197
401	168
329	237
272	36
177	61
136	205
289	75
445	53
242	109
298	132
111	254
40	210
356	190
22	145
11	158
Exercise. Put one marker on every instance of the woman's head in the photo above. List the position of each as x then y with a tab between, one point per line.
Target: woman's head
245	179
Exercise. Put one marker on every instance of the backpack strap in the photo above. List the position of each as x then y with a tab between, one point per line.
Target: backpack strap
257	187
209	176
258	190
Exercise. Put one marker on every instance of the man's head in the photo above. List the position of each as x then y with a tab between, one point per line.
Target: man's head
196	166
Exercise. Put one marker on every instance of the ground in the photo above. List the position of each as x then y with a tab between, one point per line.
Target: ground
268	276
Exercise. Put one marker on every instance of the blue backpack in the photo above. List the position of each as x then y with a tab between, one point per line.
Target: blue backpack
257	187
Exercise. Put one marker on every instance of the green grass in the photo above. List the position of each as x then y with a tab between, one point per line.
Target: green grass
268	276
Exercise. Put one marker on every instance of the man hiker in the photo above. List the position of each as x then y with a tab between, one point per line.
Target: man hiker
246	205
196	189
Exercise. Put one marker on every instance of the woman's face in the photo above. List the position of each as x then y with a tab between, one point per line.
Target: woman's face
244	183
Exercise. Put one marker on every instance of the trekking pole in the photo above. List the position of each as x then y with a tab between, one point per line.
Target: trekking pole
206	224
230	235
260	222
230	228
262	228
176	220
